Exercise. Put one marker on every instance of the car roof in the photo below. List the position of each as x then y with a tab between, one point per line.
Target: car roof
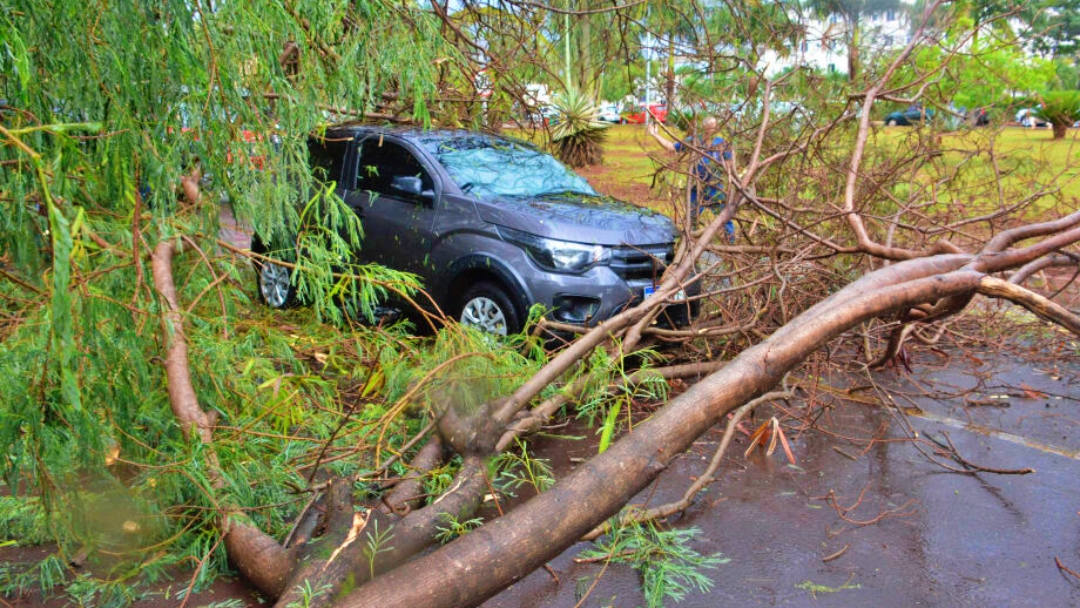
414	134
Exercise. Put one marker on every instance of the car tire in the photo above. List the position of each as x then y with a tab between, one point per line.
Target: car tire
891	123
275	286
486	306
273	282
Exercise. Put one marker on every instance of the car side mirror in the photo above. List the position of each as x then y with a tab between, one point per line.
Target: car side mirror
407	184
412	186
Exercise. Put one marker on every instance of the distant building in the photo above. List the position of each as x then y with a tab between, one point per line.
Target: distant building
824	47
537	95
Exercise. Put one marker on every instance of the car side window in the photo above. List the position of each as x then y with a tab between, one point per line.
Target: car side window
327	158
382	161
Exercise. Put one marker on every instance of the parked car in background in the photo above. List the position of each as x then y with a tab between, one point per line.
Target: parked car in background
609	112
914	115
492	226
636	116
1027	118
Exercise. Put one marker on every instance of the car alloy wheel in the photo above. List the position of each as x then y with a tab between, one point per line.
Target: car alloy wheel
487	306
484	314
274	285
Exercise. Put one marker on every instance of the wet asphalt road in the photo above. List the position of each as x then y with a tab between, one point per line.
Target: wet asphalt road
946	539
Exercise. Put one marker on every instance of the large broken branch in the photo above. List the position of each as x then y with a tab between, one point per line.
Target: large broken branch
599	488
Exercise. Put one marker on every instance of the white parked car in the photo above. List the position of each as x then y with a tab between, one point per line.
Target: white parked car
609	112
1026	118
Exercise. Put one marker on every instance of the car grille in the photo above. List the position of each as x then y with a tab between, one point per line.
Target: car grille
642	264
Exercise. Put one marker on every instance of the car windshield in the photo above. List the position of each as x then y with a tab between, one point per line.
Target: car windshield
489	167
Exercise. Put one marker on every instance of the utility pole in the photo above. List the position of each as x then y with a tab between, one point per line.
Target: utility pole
566	46
648	67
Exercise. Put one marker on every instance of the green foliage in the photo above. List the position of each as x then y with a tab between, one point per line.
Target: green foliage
1060	107
438	480
89	591
23	520
515	469
1066	74
109	109
577	138
452	527
988	74
669	567
377	542
1054	27
465	367
815	588
43	576
309	594
608	386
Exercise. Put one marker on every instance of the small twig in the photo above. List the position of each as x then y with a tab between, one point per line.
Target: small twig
829	558
845	454
596	580
195	575
955	455
704	480
213	273
551	571
1064	568
405	448
498	507
842	512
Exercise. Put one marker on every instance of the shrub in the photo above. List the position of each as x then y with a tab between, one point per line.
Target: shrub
577	137
1061	109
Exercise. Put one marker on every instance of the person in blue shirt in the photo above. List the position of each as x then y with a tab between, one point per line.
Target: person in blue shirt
709	171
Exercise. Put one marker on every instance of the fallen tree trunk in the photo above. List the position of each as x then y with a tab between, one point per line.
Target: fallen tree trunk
537	531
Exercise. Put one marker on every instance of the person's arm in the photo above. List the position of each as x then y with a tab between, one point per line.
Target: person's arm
660	139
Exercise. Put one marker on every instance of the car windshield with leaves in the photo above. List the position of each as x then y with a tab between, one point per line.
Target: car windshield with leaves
488	167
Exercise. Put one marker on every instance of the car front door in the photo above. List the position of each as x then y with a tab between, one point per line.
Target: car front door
397	200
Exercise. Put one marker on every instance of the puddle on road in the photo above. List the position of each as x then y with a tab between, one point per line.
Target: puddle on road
946	540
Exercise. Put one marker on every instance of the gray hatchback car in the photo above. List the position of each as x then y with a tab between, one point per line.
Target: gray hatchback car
492	225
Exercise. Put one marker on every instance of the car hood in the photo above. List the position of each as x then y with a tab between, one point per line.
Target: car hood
595	220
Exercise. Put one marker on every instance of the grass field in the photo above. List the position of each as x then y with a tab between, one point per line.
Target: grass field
1027	159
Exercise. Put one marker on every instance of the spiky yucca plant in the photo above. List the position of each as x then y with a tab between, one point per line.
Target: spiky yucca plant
577	137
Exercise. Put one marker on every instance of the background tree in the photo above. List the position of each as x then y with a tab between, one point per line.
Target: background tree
852	15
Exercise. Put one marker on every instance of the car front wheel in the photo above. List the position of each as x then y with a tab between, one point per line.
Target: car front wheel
275	285
487	307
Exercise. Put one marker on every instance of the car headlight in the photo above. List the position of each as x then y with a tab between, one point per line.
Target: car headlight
559	256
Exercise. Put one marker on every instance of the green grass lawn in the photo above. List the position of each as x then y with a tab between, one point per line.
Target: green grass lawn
1033	153
1027	160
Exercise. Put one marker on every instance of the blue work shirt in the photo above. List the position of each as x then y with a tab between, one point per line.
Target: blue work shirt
708	170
